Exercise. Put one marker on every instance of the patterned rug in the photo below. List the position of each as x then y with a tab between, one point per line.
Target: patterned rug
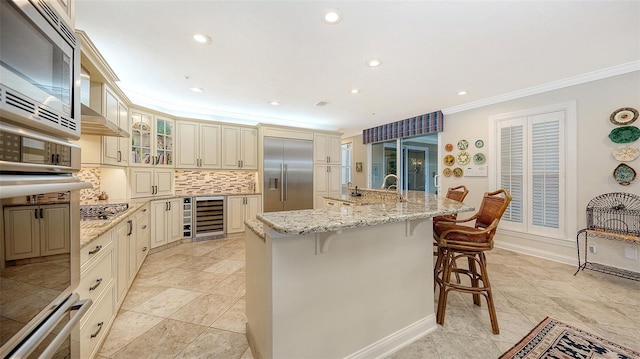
557	340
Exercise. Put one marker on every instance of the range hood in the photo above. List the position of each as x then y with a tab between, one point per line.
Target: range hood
94	123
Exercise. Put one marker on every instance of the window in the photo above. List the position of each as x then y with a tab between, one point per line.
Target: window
531	156
346	163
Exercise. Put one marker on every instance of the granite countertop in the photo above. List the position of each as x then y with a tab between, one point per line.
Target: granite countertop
417	205
257	227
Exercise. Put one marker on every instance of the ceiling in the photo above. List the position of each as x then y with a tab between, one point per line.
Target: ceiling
264	51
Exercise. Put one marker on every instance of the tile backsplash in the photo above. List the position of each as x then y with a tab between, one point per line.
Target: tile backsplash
91	175
200	182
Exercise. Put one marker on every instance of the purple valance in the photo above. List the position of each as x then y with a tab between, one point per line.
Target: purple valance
415	126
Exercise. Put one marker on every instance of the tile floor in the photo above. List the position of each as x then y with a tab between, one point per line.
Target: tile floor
188	302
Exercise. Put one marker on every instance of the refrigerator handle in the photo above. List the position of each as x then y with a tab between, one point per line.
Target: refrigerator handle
285	183
281	179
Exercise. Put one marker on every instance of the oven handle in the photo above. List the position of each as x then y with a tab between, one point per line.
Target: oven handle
71	303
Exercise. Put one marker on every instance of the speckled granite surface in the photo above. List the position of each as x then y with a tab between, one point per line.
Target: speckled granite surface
257	227
418	205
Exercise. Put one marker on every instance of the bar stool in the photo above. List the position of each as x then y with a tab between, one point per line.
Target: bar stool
457	241
457	194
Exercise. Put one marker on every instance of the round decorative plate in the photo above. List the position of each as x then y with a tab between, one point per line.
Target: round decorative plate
449	160
479	143
623	174
463	157
479	158
448	147
624	116
457	172
463	144
624	134
626	153
446	172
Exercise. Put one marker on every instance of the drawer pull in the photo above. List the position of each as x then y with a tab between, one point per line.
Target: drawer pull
144	249
98	331
98	248
98	282
144	227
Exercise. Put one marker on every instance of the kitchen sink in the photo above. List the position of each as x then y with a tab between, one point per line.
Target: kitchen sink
101	212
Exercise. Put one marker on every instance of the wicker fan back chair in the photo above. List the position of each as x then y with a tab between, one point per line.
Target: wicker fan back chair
457	241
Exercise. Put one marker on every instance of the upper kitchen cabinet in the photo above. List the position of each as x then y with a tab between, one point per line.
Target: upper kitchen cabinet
239	148
326	149
115	149
150	182
152	140
198	145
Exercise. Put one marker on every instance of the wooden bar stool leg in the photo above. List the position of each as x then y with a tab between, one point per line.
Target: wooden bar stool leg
487	285
444	286
437	269
474	278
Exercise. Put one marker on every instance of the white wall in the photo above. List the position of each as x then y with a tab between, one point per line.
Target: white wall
595	100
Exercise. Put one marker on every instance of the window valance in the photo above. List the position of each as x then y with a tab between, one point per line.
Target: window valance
415	126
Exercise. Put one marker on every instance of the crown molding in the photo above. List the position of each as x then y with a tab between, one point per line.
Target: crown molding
555	85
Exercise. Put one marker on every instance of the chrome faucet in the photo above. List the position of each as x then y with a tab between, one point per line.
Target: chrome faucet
384	181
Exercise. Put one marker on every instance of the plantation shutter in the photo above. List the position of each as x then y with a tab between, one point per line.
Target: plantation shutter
511	172
545	170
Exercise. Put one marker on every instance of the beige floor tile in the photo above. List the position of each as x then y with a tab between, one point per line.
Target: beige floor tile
215	343
205	309
247	354
234	319
165	340
141	291
420	349
167	302
233	285
225	266
126	328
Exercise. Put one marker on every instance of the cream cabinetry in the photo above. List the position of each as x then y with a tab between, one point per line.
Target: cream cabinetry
96	323
152	140
327	181
240	209
149	182
198	145
97	271
239	148
143	237
115	149
326	149
34	231
123	236
166	221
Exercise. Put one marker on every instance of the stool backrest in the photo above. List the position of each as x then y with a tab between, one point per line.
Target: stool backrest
492	208
457	193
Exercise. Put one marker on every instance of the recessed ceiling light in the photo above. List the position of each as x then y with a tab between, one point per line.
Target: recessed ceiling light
462	93
196	89
332	17
274	103
202	38
355	91
374	63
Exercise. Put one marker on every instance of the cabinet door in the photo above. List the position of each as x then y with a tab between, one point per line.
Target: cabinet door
158	223
143	247
321	178
142	182
335	180
21	233
124	142
174	220
230	147
110	145
54	230
235	214
163	179
187	155
253	206
164	146
141	141
210	146
249	142
132	249
334	149
121	239
320	154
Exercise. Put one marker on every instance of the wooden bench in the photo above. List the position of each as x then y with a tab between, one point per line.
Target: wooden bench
614	216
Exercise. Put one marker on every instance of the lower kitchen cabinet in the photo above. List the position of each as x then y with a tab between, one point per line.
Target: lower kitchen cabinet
327	181
35	231
240	209
96	324
166	221
123	236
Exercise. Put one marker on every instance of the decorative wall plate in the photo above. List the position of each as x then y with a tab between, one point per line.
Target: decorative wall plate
449	160
479	158
463	157
479	143
448	147
446	172
457	172
463	144
624	116
624	134
623	174
626	153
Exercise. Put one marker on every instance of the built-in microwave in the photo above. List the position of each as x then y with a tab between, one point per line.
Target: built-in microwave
39	68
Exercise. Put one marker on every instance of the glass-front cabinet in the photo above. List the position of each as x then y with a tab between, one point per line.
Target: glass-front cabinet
151	140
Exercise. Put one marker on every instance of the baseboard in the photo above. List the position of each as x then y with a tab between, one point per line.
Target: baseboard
552	256
398	340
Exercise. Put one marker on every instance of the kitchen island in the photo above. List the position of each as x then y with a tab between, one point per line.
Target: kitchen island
348	281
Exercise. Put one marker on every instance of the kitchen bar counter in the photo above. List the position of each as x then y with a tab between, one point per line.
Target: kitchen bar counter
345	281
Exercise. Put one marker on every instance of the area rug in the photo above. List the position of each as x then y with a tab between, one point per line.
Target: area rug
557	340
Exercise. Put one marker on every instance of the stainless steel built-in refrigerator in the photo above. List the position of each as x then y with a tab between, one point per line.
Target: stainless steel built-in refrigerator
288	174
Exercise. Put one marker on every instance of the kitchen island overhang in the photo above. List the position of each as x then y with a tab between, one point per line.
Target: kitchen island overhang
342	282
